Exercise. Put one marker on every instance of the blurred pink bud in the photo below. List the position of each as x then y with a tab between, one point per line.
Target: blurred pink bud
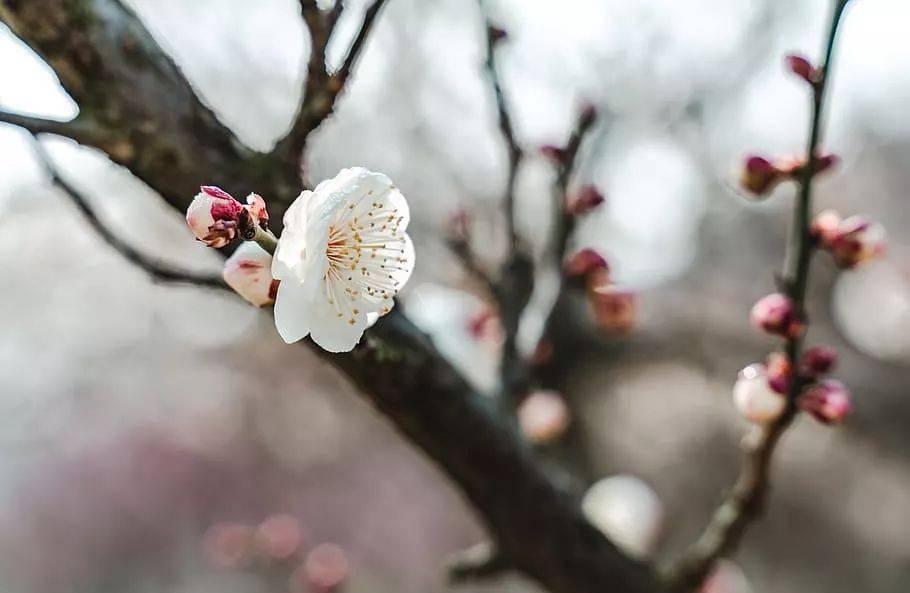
614	310
249	272
213	215
726	577
824	227
496	34
228	545
326	567
803	68
825	162
856	241
760	176
278	537
754	398
587	199
779	371
818	361
584	262
828	401
775	314
554	153
543	416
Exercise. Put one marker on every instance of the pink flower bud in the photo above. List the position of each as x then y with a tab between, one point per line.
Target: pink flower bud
726	577
803	68
249	272
554	153
228	545
825	162
818	361
543	416
213	215
278	537
779	371
326	567
588	198
754	398
857	240
584	262
824	227
256	207
828	401
760	176
775	314
614	310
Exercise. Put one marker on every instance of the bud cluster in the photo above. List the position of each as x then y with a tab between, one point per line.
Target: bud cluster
851	241
761	175
217	218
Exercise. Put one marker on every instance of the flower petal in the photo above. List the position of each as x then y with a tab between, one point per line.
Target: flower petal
335	334
292	311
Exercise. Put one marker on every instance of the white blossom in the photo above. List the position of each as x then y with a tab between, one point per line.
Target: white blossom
248	272
754	398
341	258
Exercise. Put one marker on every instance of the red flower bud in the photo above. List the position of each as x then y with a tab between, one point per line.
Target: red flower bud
760	175
779	372
818	361
588	115
829	401
584	262
825	162
585	200
496	34
213	216
614	310
775	314
803	68
857	240
824	227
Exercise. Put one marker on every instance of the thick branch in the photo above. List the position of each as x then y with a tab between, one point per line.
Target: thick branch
76	129
746	500
156	269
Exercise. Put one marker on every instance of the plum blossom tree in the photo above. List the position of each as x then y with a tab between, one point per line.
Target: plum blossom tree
333	258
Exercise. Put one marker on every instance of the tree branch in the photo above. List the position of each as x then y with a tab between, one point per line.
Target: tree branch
322	89
746	500
156	269
75	129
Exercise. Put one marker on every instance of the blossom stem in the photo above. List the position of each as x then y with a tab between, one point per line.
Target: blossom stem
746	500
265	239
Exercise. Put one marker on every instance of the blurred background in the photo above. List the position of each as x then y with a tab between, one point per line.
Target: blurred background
145	428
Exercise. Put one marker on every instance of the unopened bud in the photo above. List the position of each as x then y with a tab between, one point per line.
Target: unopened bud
584	262
615	310
626	510
760	176
779	371
543	416
256	207
496	34
775	314
803	68
754	398
828	402
825	162
857	240
824	227
249	272
278	537
213	216
588	115
587	199
818	361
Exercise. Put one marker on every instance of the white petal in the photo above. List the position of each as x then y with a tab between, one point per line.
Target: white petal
336	334
292	311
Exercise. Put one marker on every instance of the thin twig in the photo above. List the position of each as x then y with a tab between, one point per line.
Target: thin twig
74	129
159	271
746	500
350	61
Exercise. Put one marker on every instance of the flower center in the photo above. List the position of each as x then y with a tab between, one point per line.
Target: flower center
366	253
